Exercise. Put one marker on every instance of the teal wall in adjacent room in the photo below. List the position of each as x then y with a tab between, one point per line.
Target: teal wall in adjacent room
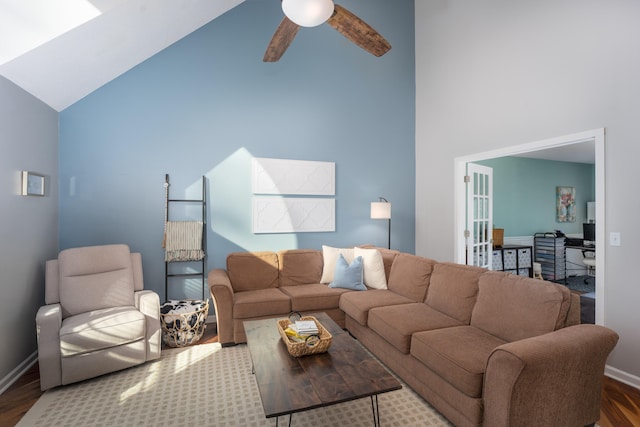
207	104
525	194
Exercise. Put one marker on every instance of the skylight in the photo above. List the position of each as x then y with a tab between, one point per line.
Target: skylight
27	24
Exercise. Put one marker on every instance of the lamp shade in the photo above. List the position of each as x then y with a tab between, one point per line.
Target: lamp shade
380	210
308	13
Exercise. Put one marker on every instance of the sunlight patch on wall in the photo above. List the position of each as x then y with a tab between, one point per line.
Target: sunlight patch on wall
230	205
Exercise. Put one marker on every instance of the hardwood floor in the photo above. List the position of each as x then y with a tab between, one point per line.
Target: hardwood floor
620	405
19	397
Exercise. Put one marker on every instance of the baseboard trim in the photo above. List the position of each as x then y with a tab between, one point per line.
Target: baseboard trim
14	375
622	376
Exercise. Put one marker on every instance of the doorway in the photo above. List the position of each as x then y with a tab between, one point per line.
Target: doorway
596	139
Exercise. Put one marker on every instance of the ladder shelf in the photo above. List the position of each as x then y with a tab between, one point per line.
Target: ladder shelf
185	241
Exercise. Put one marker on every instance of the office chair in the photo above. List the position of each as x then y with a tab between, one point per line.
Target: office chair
589	259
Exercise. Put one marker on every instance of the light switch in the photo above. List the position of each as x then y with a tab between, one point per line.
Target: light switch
614	238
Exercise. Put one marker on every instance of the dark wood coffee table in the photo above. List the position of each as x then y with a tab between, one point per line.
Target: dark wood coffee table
294	384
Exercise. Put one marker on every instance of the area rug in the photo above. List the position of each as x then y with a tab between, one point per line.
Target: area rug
205	385
582	284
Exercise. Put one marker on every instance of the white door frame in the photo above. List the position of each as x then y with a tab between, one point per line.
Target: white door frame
596	135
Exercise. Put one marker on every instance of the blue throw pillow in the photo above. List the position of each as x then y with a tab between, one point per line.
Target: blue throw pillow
348	276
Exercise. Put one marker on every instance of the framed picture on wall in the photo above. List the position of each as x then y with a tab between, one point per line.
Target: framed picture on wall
32	184
565	204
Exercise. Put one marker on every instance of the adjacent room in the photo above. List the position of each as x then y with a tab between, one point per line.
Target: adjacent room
529	214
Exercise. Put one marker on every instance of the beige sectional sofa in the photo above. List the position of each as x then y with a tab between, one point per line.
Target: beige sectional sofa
483	347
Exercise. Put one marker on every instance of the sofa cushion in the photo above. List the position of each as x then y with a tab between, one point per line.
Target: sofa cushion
388	256
260	302
357	304
374	273
458	354
397	323
516	307
349	276
410	276
100	329
252	270
329	258
316	296
299	266
453	289
94	278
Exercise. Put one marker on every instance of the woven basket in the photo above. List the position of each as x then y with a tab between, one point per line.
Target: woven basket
311	346
182	329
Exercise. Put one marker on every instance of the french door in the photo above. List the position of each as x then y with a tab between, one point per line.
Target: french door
479	227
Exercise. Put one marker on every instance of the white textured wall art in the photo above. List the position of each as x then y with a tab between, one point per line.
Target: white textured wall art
293	215
279	176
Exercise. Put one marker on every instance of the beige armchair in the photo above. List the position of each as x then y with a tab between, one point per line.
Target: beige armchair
98	319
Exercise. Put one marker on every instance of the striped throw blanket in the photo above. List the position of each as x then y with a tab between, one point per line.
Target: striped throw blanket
183	241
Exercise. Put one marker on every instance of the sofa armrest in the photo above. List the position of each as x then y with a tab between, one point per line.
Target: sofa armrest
222	296
573	316
148	302
555	378
48	323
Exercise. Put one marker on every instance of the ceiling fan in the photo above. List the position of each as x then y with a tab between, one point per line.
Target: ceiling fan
311	13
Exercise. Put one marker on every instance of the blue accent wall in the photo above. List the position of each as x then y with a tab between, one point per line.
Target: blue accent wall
208	104
525	194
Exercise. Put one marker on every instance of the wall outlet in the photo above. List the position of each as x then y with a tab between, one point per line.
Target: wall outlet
614	238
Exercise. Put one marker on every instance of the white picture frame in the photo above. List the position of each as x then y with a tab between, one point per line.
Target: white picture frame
33	184
293	177
273	214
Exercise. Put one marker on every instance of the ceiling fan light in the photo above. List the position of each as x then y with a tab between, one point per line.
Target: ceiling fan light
308	13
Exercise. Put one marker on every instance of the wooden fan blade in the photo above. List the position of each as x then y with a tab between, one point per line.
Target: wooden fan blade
358	31
281	40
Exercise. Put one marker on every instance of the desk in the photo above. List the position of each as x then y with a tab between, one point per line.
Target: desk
583	248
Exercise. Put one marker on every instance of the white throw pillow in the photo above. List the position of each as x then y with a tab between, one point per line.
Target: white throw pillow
330	256
374	276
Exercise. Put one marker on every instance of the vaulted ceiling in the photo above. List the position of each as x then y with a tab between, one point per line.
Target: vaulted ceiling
62	51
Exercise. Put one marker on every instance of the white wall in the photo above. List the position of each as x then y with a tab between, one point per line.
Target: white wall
28	225
494	74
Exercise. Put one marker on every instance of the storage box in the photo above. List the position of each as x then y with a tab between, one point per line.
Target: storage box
498	237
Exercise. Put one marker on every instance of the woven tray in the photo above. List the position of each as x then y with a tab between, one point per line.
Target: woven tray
313	345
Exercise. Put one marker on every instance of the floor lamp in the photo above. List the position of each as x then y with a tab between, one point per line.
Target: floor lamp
382	210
